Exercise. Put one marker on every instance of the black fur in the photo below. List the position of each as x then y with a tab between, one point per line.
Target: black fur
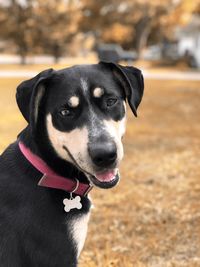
34	229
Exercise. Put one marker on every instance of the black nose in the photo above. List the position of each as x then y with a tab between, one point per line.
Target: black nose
103	154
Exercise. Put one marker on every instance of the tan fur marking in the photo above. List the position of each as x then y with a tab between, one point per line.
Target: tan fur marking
74	101
98	92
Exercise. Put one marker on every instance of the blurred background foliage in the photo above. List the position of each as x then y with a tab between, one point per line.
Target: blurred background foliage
73	27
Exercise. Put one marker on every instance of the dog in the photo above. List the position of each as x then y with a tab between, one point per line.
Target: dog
76	120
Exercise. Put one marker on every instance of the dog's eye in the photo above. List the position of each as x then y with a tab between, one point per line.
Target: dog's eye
65	113
111	102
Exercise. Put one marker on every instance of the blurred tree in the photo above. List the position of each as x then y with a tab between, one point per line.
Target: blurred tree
37	26
128	23
197	9
17	26
57	24
133	23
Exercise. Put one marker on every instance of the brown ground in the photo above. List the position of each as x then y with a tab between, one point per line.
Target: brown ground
152	218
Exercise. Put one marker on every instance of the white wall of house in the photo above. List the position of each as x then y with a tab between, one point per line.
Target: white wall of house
190	43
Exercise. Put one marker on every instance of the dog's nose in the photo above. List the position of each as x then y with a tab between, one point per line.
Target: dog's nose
103	154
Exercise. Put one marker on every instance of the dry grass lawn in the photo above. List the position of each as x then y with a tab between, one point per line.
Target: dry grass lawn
152	218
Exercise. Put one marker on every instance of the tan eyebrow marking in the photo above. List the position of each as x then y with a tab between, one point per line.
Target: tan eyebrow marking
98	92
74	101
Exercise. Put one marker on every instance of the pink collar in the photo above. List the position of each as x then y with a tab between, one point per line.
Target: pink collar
50	178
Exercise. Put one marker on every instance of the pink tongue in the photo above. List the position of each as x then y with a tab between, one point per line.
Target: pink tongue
106	176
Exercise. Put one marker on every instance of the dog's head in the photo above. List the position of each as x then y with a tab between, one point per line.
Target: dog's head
80	112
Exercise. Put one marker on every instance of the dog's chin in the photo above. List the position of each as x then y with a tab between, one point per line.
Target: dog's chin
105	180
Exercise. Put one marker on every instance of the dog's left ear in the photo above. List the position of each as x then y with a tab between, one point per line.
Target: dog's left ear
29	94
132	81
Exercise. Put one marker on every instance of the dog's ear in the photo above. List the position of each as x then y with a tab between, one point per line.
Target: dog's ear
132	81
29	94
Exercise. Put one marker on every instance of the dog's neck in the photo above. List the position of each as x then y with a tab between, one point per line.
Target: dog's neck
60	166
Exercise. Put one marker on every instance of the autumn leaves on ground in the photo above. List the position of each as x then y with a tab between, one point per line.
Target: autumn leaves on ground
152	218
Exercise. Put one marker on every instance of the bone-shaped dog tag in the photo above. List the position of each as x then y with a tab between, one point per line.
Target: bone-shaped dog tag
72	203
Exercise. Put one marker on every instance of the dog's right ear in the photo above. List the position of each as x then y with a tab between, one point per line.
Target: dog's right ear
132	81
30	92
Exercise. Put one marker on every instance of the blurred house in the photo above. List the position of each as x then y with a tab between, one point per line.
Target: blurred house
153	52
188	45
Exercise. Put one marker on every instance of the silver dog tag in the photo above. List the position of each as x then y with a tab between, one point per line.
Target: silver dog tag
72	203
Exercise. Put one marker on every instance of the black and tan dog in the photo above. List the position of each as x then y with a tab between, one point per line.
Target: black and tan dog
76	120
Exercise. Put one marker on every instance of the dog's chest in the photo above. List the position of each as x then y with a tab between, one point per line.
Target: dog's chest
78	228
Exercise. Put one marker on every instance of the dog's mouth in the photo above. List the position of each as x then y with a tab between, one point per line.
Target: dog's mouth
106	179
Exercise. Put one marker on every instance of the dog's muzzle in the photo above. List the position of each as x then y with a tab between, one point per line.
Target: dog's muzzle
104	159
